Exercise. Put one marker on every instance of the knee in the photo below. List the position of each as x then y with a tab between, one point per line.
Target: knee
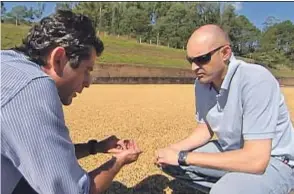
236	183
220	187
228	184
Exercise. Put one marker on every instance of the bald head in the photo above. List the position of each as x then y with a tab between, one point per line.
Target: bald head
205	39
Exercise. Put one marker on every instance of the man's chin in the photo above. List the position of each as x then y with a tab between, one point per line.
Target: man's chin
66	102
203	80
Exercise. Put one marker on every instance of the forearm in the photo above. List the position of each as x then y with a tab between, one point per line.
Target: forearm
102	177
199	137
237	161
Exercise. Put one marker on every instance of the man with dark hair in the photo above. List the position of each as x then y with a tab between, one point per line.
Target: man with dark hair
47	70
241	104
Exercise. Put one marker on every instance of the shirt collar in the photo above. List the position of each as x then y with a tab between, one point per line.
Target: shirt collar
232	68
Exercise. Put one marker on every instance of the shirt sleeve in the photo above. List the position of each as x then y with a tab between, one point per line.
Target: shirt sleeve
260	108
38	141
200	103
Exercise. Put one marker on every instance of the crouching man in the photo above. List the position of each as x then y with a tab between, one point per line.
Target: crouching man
243	106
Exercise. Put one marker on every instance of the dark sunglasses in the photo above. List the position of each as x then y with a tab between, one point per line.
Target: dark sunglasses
203	59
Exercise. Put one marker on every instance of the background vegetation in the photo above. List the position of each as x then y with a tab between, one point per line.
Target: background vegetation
156	33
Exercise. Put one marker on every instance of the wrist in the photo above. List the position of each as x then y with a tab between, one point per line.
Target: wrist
119	161
174	147
183	158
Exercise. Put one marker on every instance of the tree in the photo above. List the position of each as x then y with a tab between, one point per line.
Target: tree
3	10
117	10
64	6
30	14
285	37
134	22
175	26
277	44
270	21
19	13
246	36
171	24
228	17
208	12
93	10
38	12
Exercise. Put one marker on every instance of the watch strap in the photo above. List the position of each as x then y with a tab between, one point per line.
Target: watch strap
92	146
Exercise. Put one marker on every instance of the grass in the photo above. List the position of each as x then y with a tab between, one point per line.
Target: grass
12	35
117	50
282	72
121	50
154	115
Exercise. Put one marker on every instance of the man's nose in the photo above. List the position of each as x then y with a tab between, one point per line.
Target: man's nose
87	85
194	67
88	82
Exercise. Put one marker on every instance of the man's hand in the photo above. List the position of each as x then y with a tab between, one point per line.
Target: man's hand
103	176
167	156
130	154
112	145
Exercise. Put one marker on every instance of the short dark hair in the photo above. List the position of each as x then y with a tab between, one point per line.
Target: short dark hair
74	32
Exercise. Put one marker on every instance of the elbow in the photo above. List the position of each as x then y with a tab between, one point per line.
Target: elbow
258	170
259	166
257	154
94	189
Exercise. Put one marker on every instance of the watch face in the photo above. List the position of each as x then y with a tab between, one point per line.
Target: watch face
182	158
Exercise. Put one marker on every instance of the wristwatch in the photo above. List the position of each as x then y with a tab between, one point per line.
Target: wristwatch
92	146
182	157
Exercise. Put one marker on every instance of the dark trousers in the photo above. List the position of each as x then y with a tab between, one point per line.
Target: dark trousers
23	187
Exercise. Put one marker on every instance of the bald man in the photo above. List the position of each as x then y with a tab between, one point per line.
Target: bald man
242	105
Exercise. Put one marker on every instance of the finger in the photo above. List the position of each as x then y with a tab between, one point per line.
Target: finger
119	147
136	147
126	144
122	144
160	154
161	161
132	144
156	161
122	153
139	149
158	165
114	151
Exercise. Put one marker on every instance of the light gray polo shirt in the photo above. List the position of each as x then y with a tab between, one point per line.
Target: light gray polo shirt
249	105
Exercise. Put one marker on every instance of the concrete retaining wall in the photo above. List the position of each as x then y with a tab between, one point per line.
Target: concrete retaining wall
164	80
129	74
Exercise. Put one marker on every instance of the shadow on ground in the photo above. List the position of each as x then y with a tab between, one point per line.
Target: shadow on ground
155	184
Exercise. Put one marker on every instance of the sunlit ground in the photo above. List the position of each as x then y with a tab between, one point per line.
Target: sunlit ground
154	115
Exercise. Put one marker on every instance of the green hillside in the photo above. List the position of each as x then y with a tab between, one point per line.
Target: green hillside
117	49
121	50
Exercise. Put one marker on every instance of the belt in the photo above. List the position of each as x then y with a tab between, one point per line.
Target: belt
285	160
287	163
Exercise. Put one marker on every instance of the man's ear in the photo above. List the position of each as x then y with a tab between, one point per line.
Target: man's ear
57	61
226	52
